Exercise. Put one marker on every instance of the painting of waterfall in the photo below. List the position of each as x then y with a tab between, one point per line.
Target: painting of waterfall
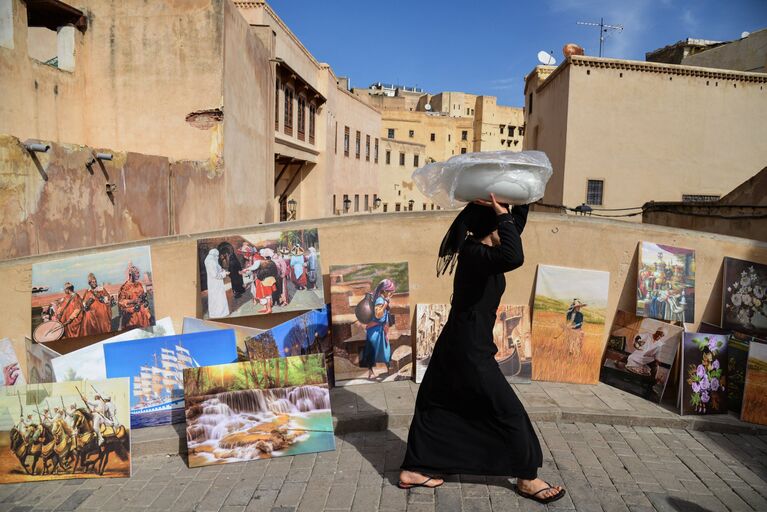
257	410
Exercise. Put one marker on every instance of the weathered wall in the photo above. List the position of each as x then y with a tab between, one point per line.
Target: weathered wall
587	243
248	124
746	54
52	202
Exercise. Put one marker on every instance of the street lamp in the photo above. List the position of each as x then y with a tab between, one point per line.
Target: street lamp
292	203
376	203
347	204
410	205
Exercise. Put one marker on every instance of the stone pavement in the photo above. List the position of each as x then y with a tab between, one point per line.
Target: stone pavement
604	467
378	407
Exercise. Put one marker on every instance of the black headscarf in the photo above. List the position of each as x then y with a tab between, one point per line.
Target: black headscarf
476	219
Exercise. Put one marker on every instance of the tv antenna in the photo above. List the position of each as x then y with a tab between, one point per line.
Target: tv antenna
603	30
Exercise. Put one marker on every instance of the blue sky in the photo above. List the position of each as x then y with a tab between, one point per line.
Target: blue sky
108	267
488	47
318	320
125	359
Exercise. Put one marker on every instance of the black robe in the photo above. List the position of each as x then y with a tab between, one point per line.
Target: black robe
467	418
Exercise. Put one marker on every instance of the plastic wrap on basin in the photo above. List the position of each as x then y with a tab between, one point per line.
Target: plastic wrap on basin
514	177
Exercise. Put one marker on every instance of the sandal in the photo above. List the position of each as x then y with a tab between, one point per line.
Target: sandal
534	496
403	485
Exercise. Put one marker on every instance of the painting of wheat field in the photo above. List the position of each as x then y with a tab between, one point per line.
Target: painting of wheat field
755	393
569	324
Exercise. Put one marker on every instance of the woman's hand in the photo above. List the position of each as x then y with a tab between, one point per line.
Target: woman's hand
494	204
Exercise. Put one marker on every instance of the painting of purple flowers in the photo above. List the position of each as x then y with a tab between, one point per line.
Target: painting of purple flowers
704	360
744	298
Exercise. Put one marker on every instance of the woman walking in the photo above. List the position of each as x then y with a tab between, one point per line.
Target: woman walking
467	418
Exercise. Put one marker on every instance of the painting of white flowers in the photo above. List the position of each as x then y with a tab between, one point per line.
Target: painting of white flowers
704	362
744	299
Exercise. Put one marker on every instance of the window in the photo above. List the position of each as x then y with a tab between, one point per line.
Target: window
397	207
464	135
357	144
388	157
433	137
521	131
277	105
356	202
312	115
346	141
699	198
411	133
467	111
594	191
301	117
335	140
390	133
501	127
375	151
367	148
346	203
385	207
530	103
415	160
424	206
334	205
288	111
448	137
367	203
463	151
402	158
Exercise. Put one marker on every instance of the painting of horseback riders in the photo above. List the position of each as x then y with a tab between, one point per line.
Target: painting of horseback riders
92	294
258	274
569	324
64	430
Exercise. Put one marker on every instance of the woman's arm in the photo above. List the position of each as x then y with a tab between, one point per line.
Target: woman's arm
519	212
504	258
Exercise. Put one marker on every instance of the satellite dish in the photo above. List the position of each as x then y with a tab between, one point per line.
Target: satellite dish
744	34
546	58
427	107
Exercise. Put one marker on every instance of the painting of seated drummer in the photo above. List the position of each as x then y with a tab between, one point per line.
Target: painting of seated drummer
640	352
98	298
260	274
666	283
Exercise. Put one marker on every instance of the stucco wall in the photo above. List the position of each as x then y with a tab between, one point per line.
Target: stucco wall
746	54
51	201
414	237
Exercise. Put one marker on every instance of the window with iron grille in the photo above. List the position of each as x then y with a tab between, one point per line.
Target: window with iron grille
312	115
367	203
301	117
375	151
346	141
594	191
390	133
356	202
388	157
288	111
367	148
699	198
402	158
357	144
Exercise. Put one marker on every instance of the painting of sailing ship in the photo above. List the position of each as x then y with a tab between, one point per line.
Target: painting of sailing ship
88	363
257	410
92	294
64	430
241	333
260	273
156	365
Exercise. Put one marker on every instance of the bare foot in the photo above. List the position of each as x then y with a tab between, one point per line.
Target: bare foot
411	478
533	486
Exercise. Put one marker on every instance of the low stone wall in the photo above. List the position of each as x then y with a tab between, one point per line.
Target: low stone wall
579	242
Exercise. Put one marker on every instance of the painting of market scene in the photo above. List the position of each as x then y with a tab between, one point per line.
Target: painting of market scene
666	283
63	430
370	317
90	294
257	410
258	274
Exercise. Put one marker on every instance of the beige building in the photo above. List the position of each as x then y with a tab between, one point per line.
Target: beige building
325	138
749	53
621	133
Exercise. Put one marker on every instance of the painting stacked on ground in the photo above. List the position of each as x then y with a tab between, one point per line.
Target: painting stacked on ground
155	367
666	283
257	409
92	294
639	356
744	304
370	304
241	333
257	274
755	390
9	362
75	429
511	334
704	377
568	324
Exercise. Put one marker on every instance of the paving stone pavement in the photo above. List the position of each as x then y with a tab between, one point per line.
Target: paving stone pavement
604	468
